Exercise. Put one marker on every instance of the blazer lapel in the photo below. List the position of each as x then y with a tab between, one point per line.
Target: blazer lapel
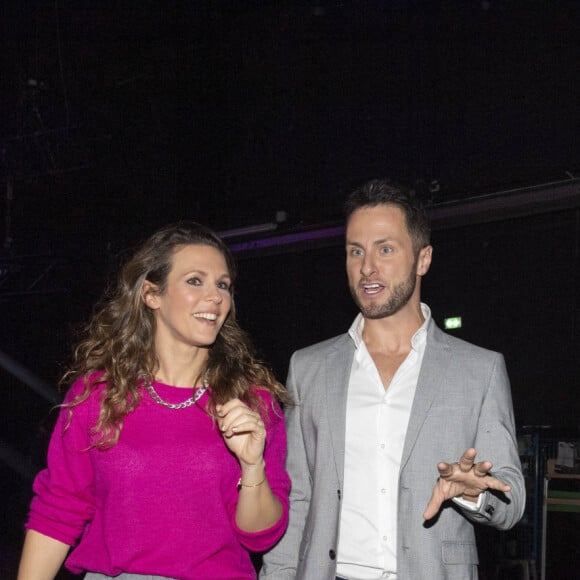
338	365
435	362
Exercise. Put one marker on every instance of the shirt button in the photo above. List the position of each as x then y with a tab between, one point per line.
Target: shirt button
382	445
384	538
383	490
332	554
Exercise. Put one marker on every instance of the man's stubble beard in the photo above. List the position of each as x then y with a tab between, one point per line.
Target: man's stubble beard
400	296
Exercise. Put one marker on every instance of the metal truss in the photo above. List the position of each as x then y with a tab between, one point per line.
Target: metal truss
29	276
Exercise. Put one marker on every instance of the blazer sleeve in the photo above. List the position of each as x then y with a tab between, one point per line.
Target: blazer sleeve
281	562
496	441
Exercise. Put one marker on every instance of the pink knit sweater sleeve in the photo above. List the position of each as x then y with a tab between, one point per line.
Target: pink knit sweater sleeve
275	459
64	497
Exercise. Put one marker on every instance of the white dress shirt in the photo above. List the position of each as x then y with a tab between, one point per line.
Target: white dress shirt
376	425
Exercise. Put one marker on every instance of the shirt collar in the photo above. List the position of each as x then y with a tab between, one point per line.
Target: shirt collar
356	329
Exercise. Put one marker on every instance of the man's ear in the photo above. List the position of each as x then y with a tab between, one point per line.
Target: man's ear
150	295
424	260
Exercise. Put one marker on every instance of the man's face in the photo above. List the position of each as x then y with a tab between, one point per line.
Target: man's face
381	264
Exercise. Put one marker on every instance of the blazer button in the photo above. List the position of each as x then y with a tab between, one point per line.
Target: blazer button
332	554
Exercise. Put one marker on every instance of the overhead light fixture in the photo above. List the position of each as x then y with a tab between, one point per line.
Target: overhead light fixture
281	217
248	230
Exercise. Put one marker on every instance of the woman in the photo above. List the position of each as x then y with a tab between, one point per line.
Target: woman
168	455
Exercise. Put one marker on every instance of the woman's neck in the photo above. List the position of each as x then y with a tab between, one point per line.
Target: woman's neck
181	371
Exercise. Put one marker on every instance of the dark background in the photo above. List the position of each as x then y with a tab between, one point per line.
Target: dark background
119	117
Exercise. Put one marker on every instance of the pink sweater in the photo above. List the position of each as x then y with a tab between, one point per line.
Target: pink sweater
162	501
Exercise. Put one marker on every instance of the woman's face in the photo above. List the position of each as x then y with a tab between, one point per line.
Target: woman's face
196	300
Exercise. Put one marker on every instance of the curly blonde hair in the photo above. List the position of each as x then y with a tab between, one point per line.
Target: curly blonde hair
118	345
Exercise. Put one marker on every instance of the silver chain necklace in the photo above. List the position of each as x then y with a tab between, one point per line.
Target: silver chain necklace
193	399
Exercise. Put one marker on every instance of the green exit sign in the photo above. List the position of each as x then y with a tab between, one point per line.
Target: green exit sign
452	323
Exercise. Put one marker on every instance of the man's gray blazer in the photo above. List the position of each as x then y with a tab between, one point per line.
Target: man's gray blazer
462	400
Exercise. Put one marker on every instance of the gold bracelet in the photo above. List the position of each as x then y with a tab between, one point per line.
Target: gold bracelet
240	484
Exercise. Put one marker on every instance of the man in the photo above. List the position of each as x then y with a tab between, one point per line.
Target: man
383	413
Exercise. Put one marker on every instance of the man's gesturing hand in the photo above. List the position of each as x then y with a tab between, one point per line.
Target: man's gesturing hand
465	479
